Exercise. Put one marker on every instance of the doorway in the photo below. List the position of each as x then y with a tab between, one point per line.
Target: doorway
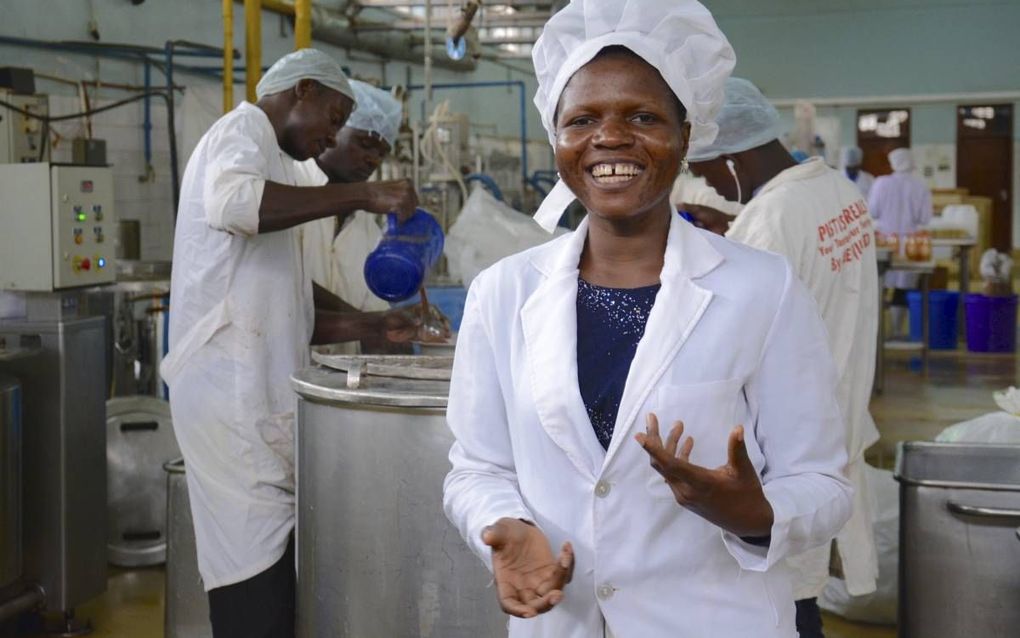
984	163
878	133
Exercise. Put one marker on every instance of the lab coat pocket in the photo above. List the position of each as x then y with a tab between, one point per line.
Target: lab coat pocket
708	411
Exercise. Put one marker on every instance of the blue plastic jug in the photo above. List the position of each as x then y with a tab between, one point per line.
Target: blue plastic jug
396	269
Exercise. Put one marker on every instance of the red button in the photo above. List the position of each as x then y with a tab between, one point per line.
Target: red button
86	264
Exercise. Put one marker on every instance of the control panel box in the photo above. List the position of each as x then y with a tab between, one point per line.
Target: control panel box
21	137
56	227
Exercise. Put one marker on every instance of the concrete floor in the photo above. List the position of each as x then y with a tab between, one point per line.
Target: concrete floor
915	405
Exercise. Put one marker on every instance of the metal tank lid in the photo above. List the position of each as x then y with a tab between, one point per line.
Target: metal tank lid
392	381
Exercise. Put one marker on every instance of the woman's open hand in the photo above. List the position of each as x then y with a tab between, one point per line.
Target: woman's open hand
729	496
528	579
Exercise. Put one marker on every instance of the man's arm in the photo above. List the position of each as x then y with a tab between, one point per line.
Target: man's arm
284	206
326	300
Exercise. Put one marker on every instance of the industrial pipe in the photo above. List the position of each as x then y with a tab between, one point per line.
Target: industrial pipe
457	29
228	55
302	24
252	46
28	600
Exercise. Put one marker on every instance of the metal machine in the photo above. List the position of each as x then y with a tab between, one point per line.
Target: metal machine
55	220
21	137
58	223
376	556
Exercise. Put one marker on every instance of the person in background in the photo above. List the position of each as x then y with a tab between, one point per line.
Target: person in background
851	159
242	319
816	218
335	248
900	204
572	353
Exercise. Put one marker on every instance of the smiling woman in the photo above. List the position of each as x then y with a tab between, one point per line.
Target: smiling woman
570	354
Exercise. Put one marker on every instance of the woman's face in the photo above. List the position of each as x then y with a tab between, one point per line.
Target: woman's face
619	136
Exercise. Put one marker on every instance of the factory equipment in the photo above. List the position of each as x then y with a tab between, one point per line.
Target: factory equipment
10	481
22	137
64	445
376	556
139	441
56	220
959	540
187	605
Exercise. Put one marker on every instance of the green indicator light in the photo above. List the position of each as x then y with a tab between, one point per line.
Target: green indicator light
82	217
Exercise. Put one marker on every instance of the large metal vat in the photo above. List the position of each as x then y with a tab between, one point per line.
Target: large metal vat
376	555
959	545
10	481
139	441
187	605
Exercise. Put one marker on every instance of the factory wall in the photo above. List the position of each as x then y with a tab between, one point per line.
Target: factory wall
873	48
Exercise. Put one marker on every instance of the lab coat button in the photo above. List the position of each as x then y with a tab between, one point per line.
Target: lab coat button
602	489
604	592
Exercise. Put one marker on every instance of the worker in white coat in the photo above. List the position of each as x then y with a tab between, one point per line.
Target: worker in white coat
851	159
901	205
572	354
241	321
335	248
816	218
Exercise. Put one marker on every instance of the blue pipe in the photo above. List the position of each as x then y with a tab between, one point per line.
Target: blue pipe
487	182
522	103
168	50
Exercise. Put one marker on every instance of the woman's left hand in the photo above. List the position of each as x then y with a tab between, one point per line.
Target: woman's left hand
729	496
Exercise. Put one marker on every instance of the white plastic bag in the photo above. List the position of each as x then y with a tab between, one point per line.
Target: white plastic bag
878	607
486	231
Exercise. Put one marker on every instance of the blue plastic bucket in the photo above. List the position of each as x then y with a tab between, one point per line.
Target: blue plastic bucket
396	269
943	326
991	323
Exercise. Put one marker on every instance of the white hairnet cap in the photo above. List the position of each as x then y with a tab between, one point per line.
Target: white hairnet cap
901	160
304	64
689	189
852	156
378	112
679	38
747	120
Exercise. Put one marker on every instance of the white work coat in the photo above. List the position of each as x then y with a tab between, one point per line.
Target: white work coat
336	261
816	218
900	203
232	353
733	338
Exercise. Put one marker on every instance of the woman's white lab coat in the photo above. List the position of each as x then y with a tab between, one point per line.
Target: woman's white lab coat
733	338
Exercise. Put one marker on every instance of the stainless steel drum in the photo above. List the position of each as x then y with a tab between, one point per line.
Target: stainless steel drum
139	440
187	605
10	481
959	548
376	555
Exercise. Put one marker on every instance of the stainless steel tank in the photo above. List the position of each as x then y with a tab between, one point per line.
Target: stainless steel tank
376	554
187	605
139	441
959	546
10	481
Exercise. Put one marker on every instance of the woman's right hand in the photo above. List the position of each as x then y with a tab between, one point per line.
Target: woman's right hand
528	579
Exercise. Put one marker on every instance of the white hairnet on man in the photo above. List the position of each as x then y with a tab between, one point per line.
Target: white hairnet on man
378	112
231	354
683	43
902	160
851	159
818	219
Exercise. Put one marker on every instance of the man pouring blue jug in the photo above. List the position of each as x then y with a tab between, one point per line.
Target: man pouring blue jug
242	320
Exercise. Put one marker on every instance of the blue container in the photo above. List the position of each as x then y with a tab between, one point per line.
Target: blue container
943	326
396	269
991	323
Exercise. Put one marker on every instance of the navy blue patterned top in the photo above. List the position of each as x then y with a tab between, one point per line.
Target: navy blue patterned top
610	323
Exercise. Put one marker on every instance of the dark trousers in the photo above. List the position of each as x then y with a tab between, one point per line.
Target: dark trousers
260	607
809	619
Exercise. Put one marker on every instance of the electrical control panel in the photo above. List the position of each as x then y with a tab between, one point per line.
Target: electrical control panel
21	137
56	227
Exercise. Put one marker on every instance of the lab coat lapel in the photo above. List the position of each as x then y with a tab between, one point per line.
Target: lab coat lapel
679	305
549	321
